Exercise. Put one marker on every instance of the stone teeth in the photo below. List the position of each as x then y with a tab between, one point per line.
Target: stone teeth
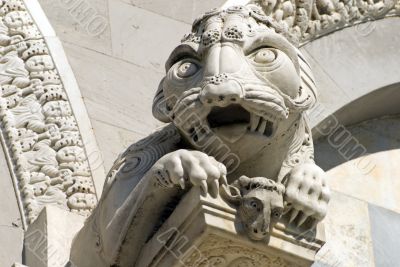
263	125
254	122
274	128
270	117
259	124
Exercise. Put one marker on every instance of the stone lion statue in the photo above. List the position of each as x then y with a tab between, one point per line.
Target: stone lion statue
235	97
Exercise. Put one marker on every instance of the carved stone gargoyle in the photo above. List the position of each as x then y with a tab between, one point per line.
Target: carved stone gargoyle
235	95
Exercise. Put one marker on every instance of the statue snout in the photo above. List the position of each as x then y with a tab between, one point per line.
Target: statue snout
221	93
259	230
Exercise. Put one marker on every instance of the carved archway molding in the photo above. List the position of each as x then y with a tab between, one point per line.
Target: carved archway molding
305	21
45	130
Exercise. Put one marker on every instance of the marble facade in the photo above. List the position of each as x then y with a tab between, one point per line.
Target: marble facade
332	39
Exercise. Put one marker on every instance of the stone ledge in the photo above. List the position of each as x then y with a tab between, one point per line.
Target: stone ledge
203	230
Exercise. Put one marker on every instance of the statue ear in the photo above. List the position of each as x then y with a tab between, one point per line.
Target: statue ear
231	194
243	181
160	111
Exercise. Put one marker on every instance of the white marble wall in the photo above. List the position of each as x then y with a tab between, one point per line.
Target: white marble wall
352	63
119	70
366	201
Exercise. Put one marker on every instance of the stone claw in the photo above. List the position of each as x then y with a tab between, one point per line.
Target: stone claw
314	224
293	215
224	180
214	188
302	219
182	183
203	187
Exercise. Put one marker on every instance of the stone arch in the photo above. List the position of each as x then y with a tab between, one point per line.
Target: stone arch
358	80
355	72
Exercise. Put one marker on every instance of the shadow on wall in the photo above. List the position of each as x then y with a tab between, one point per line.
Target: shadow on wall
368	125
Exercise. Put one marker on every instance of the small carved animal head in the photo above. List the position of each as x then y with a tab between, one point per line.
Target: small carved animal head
260	204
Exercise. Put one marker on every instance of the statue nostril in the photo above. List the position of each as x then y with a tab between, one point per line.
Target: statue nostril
233	99
209	101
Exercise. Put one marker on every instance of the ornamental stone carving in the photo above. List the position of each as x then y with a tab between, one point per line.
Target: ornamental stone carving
230	255
235	96
259	202
39	131
303	21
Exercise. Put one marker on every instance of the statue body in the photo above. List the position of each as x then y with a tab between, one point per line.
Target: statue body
235	96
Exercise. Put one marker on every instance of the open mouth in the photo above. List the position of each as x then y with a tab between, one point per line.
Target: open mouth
234	118
230	115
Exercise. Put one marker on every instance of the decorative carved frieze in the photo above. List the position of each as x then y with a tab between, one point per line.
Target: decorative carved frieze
39	130
306	20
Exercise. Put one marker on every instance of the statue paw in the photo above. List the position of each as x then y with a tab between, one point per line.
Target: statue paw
307	195
183	166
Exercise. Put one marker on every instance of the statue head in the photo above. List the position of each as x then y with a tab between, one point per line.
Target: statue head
259	203
235	76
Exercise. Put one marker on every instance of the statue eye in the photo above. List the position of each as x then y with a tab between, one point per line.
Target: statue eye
187	69
276	213
255	205
265	55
